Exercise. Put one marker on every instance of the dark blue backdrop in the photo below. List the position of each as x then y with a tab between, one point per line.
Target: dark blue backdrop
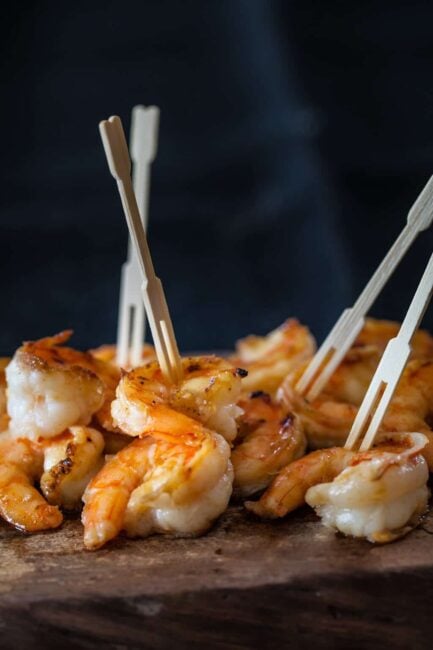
294	137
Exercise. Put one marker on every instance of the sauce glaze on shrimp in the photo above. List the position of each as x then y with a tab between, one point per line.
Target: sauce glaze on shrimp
177	479
379	494
269	437
269	359
51	387
208	393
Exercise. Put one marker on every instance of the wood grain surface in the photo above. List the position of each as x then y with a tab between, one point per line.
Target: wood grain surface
247	584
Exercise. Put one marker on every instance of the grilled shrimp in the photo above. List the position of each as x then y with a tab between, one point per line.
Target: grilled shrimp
51	387
70	461
377	494
327	421
21	505
178	480
380	496
287	491
378	333
269	359
3	412
350	381
208	392
269	438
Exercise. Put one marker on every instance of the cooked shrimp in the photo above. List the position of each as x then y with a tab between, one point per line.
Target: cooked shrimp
377	333
269	359
327	422
288	491
20	503
269	438
177	480
380	496
208	393
350	381
411	408
50	387
3	412
70	461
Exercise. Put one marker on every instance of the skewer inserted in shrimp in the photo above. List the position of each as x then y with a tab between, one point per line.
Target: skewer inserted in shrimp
380	496
208	393
269	359
51	387
269	438
327	421
177	480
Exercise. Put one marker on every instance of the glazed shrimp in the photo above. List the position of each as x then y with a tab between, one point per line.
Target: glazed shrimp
287	491
382	496
378	333
269	359
327	421
70	461
51	387
3	412
350	381
20	503
269	438
177	480
208	393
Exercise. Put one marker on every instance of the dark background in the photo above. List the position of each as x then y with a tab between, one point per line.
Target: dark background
294	137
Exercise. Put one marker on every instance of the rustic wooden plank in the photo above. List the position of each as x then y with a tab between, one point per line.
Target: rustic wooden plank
246	584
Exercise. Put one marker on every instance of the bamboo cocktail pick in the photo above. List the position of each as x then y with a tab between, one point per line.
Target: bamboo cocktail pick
388	373
351	321
132	319
116	150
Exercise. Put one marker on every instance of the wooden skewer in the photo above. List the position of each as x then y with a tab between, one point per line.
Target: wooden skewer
116	151
391	366
351	321
132	319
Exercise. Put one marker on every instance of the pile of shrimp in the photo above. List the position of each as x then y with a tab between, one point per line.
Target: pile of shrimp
140	456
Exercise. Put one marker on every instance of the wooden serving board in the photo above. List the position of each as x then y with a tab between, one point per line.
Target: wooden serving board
247	584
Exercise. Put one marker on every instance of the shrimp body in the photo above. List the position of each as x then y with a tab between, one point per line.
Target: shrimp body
70	461
51	387
20	503
378	333
208	392
327	421
287	491
176	480
269	359
269	438
380	496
